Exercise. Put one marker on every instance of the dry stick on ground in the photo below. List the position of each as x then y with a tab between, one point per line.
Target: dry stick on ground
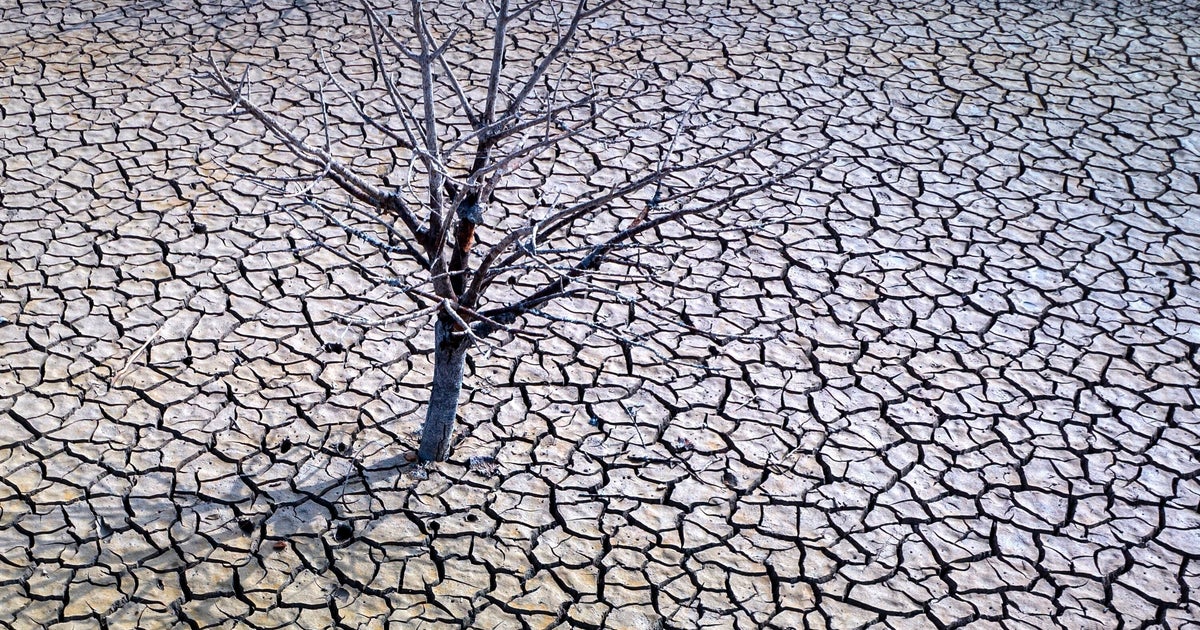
465	131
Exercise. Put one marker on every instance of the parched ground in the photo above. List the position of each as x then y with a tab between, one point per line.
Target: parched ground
977	406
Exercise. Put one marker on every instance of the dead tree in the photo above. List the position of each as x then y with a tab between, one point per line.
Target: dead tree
461	115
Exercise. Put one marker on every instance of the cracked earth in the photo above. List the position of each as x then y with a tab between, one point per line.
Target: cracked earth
976	406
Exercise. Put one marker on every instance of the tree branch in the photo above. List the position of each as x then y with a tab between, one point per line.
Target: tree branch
341	175
596	256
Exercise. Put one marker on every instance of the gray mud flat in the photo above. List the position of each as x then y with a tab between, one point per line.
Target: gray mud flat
977	406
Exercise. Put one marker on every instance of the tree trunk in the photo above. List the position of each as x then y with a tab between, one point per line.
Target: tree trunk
449	354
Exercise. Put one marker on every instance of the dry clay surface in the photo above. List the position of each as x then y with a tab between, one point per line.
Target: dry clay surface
975	406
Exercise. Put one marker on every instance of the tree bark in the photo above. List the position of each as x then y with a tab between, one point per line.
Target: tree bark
449	356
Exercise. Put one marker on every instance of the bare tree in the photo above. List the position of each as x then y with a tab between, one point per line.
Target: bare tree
461	113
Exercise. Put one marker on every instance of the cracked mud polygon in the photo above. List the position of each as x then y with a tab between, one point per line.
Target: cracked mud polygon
975	406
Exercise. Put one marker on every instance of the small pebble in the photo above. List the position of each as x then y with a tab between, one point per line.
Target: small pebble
484	465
